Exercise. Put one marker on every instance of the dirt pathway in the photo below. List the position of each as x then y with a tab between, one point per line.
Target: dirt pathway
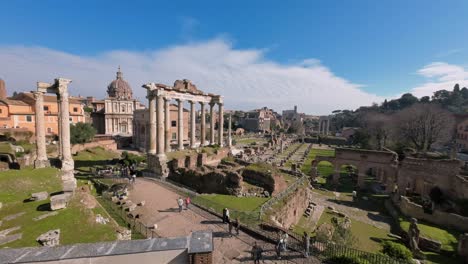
161	209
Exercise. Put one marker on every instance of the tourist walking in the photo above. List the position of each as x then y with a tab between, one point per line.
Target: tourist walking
230	228
187	202
227	216
256	253
237	225
285	241
180	202
306	242
224	215
278	249
133	178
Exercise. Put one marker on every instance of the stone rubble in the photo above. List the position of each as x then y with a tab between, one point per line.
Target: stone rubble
39	196
50	238
45	216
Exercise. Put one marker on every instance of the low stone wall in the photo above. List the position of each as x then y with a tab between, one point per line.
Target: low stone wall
294	206
460	185
107	144
450	220
214	160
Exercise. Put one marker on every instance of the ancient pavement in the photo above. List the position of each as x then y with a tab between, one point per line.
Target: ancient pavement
161	209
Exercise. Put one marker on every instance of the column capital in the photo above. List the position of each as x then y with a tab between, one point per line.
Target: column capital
202	103
37	94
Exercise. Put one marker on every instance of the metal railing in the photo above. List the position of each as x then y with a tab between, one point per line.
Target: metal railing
268	204
328	250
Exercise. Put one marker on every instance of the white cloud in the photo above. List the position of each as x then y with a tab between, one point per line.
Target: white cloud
439	76
244	77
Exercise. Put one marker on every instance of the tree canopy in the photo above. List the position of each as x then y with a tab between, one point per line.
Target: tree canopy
81	133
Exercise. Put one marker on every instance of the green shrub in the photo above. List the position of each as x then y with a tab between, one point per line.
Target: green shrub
396	250
346	260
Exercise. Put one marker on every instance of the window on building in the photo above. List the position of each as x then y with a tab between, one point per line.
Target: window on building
29	118
1	110
173	123
174	135
49	130
46	108
75	109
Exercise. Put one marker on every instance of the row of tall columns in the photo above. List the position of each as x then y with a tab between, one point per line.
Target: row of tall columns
160	123
324	126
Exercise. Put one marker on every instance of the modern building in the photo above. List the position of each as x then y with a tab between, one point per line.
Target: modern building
18	112
114	114
259	120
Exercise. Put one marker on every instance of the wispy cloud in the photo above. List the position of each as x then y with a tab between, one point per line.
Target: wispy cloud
244	76
448	53
439	76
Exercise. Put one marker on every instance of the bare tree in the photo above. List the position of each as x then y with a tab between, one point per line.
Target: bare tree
378	126
424	125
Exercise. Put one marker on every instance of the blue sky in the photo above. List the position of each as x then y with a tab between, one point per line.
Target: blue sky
364	50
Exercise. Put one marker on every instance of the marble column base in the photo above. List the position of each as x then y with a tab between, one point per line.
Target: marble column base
68	181
158	165
41	163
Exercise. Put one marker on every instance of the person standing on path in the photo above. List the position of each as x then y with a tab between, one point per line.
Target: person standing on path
285	241
256	253
306	241
237	225
187	202
180	202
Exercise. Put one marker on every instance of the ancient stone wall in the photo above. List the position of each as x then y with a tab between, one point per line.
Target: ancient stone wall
460	187
106	144
295	205
263	179
421	175
214	160
411	209
204	180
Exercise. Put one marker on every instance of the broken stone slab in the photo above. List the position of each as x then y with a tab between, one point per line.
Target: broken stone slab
39	196
50	238
10	238
59	201
13	216
142	203
45	216
132	207
5	232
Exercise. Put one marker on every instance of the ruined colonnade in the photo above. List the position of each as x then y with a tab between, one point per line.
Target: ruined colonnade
60	88
324	125
159	97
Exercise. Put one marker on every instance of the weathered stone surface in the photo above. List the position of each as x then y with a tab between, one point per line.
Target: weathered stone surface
50	238
45	216
124	234
59	201
13	216
463	246
10	238
9	230
39	196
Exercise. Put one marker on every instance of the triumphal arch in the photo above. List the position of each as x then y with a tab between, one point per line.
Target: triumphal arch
159	100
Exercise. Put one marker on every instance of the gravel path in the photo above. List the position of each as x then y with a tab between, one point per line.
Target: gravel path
161	209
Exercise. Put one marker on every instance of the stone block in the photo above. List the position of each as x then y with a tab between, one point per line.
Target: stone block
39	196
59	201
124	234
69	185
50	238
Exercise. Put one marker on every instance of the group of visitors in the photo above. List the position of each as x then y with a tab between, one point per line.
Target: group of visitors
282	244
181	202
231	224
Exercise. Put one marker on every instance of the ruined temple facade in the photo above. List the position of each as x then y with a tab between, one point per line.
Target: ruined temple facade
114	115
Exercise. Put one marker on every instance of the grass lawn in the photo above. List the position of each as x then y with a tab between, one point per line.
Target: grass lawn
76	223
248	141
244	208
307	167
448	238
95	154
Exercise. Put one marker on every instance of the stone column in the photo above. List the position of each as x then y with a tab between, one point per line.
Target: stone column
221	125
192	124
59	132
160	125
328	126
180	124
68	165
320	127
202	124
41	159
152	127
230	131
167	124
212	124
